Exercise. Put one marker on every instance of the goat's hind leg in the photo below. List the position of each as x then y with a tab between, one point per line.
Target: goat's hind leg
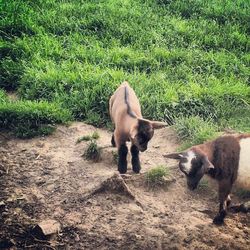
224	190
136	165
122	159
228	201
244	208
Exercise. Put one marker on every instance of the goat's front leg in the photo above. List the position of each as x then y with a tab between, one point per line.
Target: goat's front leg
135	159
122	158
225	187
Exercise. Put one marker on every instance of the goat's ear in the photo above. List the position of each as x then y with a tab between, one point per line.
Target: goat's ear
144	125
176	156
156	124
207	164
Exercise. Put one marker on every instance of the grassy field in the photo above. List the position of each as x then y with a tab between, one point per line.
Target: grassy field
188	62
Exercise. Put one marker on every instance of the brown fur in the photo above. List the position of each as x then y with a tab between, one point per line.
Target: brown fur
125	113
220	160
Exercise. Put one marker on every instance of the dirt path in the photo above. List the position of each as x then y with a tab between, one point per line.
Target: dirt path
47	178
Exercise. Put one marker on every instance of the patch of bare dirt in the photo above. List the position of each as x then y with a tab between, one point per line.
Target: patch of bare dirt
47	178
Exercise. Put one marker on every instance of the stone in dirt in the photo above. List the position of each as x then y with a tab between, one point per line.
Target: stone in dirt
46	229
113	183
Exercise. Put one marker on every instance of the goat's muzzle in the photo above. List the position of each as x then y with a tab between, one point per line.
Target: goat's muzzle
192	186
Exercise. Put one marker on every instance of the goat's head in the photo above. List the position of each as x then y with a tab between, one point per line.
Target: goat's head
142	133
193	164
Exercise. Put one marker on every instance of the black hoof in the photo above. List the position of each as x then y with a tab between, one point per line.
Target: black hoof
137	168
135	159
137	171
122	171
218	220
122	167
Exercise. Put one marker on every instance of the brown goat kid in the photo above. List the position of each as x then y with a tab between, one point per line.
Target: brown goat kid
226	159
125	112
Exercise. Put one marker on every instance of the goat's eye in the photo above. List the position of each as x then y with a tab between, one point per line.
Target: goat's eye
191	174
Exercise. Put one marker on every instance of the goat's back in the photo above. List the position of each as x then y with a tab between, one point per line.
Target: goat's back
232	156
118	103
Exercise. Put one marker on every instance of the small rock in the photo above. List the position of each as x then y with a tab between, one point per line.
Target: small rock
2	203
40	144
162	216
138	236
46	229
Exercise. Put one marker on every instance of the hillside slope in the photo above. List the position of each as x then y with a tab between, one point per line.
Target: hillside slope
45	178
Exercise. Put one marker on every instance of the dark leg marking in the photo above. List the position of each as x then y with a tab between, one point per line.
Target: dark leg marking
122	159
224	190
135	159
219	218
113	140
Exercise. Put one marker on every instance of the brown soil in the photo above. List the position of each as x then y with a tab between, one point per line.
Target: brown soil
47	178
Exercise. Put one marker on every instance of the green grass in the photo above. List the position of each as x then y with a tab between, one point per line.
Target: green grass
94	136
244	194
184	59
194	130
203	185
3	97
155	176
93	152
27	119
84	138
